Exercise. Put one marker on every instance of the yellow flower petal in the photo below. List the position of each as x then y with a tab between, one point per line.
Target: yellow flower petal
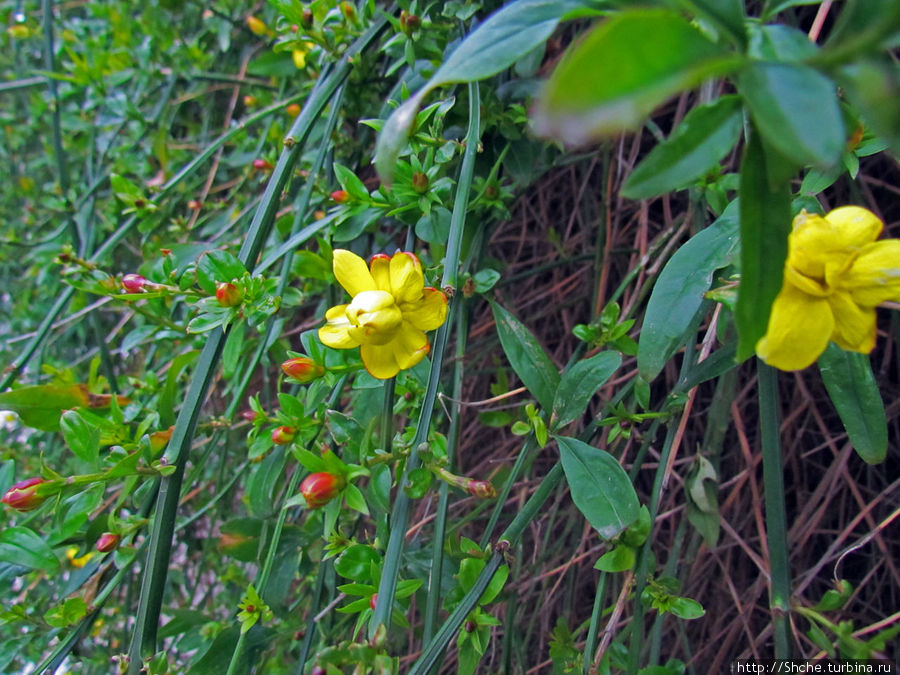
800	326
380	265
379	361
352	273
410	346
428	314
818	243
336	333
874	276
407	280
854	326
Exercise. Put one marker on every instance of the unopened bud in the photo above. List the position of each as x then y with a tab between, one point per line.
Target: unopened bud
373	600
348	10
228	295
256	26
320	488
22	496
262	165
482	489
283	435
134	283
303	369
340	196
299	58
318	670
420	182
306	18
293	109
195	205
108	541
469	626
250	101
409	22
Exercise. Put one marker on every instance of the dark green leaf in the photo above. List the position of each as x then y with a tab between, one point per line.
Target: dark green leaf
616	76
705	136
726	15
678	292
504	38
217	267
765	217
527	357
234	347
578	385
874	88
621	558
774	6
795	109
20	546
40	406
854	392
599	485
351	183
356	563
779	43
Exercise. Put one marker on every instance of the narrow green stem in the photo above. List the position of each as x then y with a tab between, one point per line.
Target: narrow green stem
776	518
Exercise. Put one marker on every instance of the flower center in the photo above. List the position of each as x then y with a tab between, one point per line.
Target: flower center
374	316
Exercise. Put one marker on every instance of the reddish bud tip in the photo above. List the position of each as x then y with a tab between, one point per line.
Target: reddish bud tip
303	369
108	542
22	497
409	22
348	10
249	415
318	670
283	435
293	109
320	488
134	283
262	165
306	18
373	600
228	295
195	205
482	489
340	196
249	100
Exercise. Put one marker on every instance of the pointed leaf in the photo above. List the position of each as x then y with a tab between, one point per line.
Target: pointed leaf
599	485
21	546
704	137
855	394
678	292
579	383
527	357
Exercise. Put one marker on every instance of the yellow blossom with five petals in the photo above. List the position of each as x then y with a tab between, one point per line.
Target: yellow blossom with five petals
835	274
390	310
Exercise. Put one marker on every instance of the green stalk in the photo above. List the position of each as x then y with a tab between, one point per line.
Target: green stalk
509	539
400	512
153	584
776	519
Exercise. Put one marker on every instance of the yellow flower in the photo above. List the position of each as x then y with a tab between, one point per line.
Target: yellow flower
835	275
390	311
75	560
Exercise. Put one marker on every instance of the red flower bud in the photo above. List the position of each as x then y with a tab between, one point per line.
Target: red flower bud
22	497
250	100
303	369
108	542
293	109
134	283
228	295
481	489
195	205
340	196
306	18
420	182
318	670
409	22
348	10
320	488
373	600
283	435
262	165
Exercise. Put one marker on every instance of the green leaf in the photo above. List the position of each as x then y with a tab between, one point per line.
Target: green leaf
686	608
496	584
795	108
874	87
779	43
527	357
726	15
599	485
22	547
356	562
351	183
234	348
616	76
40	406
504	38
854	392
619	559
69	612
82	438
704	137
765	217
578	385
216	267
774	6
679	291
